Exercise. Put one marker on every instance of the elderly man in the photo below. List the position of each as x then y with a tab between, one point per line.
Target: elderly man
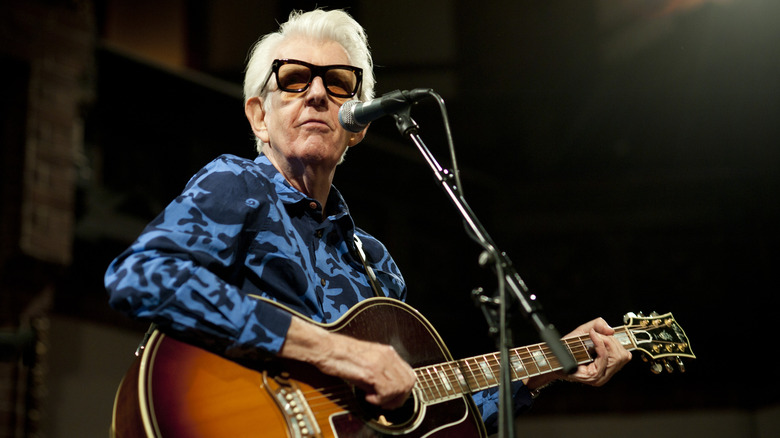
276	228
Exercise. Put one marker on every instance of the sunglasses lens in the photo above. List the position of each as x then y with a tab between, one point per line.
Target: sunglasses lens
293	77
341	82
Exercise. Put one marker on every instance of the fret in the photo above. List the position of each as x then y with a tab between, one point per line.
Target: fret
518	367
575	347
495	365
531	360
426	382
530	365
555	364
487	371
423	384
624	338
441	384
480	382
472	377
583	353
587	345
432	379
444	380
459	378
451	379
542	364
478	373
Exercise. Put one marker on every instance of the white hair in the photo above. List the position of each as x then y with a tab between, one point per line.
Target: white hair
335	25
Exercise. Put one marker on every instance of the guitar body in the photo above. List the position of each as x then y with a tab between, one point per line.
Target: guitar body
178	390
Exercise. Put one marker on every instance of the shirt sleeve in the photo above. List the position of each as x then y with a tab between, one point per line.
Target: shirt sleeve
182	270
487	403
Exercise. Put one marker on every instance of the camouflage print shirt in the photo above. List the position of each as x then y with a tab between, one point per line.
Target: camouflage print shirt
240	229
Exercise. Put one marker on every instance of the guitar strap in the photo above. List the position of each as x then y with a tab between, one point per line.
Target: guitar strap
142	345
371	276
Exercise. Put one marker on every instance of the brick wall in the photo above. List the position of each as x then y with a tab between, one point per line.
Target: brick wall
57	40
51	43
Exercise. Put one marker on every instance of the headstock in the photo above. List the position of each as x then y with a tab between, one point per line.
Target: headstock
661	340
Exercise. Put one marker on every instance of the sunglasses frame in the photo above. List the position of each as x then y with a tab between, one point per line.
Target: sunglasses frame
316	70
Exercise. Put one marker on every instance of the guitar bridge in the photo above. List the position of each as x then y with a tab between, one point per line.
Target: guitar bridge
292	403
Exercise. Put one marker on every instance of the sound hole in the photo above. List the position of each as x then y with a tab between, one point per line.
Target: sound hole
379	418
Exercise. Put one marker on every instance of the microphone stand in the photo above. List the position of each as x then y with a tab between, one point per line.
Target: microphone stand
508	279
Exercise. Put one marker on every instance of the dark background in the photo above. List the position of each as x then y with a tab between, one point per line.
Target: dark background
623	154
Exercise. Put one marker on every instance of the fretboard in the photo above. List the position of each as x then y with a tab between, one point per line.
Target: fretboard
448	380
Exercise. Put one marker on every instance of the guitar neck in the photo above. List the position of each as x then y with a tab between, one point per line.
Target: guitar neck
449	380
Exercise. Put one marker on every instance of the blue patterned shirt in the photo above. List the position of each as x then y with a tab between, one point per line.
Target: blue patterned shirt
240	229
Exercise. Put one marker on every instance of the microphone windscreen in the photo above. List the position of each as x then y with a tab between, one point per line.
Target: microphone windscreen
347	117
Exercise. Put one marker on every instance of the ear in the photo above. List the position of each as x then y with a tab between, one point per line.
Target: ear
357	137
256	116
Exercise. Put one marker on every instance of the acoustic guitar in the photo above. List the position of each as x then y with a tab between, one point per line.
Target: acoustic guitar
177	390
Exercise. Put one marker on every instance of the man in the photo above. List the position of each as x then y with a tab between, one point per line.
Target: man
276	228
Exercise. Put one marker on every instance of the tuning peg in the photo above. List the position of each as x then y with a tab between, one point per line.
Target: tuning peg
654	313
668	366
680	365
656	367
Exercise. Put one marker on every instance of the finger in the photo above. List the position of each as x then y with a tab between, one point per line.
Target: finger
617	352
396	402
599	344
388	400
601	326
601	362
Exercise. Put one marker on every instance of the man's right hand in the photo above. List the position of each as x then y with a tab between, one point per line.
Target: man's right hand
375	368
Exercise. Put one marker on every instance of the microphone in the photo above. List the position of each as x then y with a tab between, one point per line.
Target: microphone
355	115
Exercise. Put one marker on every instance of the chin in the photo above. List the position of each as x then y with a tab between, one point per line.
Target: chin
322	153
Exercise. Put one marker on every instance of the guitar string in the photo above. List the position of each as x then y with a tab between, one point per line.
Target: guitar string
580	346
428	377
339	392
344	397
433	388
440	380
430	380
453	372
336	392
323	404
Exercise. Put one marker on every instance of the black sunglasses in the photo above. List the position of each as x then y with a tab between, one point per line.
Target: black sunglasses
295	76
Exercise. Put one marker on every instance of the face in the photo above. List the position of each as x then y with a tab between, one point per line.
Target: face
301	130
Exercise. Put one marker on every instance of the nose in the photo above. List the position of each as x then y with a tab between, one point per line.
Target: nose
317	90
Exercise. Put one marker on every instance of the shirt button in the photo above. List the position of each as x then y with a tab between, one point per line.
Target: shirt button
322	282
313	205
